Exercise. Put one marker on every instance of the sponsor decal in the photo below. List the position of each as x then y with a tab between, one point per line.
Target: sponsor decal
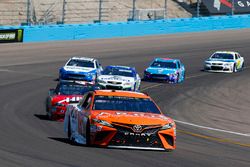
15	35
226	6
137	134
71	99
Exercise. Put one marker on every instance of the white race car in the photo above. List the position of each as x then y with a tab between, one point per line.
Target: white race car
119	78
224	61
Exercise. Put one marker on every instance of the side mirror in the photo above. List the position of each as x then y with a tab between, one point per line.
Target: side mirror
51	91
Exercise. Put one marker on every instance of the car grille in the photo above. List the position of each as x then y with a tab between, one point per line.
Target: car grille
220	64
125	136
216	68
76	76
114	87
115	83
159	76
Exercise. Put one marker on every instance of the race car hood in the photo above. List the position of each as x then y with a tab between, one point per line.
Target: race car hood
132	118
115	78
66	99
220	60
78	69
155	70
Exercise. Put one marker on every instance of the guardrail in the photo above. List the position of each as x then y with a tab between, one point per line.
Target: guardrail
128	29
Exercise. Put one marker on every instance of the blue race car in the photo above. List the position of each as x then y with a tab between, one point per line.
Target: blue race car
170	70
80	68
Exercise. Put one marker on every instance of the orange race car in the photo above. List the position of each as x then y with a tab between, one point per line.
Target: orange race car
119	119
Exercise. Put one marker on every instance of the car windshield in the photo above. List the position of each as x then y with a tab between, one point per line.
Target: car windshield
118	71
117	103
73	89
222	56
80	63
161	64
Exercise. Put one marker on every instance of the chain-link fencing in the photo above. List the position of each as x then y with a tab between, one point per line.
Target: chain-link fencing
40	12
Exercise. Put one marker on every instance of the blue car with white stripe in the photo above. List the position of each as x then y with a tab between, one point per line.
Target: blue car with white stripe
80	68
170	70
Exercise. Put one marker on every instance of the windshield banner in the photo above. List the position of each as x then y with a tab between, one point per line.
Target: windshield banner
13	35
225	6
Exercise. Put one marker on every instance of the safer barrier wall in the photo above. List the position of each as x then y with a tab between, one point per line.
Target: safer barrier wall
128	29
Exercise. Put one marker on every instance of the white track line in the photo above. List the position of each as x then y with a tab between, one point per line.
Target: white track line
213	129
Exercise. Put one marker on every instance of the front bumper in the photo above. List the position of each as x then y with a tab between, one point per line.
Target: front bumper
121	137
168	78
76	76
218	68
58	112
115	86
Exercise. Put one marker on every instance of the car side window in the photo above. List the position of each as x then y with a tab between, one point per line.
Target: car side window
96	64
87	101
236	56
82	100
178	64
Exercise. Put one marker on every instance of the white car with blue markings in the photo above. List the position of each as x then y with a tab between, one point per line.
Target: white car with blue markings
119	78
224	61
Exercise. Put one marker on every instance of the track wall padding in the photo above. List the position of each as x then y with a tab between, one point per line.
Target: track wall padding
132	28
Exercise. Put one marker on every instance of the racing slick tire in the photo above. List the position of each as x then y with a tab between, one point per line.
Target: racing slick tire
69	130
242	67
234	68
178	78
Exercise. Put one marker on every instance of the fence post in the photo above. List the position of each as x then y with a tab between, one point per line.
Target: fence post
232	7
166	10
198	8
28	12
134	7
63	11
100	10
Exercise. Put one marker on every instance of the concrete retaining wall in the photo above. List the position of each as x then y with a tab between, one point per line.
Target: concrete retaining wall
128	29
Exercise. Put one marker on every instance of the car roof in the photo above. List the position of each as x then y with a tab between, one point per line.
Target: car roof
83	58
120	93
228	52
166	59
121	67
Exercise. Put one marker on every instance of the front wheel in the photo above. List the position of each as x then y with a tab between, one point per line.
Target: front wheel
234	68
88	134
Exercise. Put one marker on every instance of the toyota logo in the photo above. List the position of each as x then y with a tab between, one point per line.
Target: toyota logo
137	128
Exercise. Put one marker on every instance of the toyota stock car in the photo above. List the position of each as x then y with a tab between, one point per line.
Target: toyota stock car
119	119
66	92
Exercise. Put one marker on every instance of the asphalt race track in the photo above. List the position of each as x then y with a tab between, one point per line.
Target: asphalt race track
212	110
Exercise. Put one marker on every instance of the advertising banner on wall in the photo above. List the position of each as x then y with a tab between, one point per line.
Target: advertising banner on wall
225	6
13	35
